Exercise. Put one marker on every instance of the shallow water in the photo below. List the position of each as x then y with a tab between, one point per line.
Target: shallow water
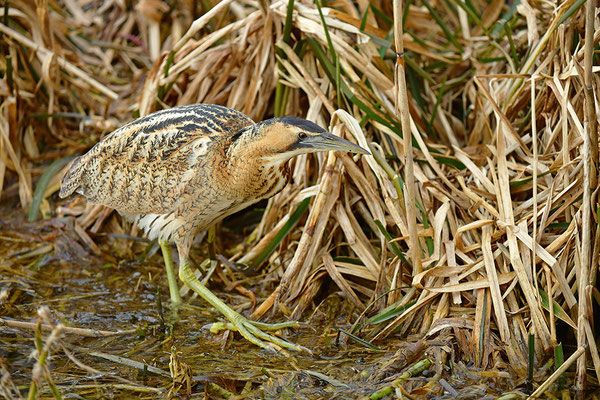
45	264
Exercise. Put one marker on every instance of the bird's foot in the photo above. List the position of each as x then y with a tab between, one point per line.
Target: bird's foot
254	332
251	330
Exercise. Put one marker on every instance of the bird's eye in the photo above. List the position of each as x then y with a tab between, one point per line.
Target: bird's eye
302	135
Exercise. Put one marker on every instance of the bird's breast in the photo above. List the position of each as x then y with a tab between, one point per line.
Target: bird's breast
275	179
251	177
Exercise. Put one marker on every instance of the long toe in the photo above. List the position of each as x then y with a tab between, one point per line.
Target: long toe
252	331
255	333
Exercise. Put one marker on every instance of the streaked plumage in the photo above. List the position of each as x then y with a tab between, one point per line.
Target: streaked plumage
154	170
180	170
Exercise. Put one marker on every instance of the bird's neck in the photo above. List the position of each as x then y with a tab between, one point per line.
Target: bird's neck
255	170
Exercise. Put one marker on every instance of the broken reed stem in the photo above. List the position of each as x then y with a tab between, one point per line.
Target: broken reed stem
588	61
401	100
588	181
199	23
534	144
40	369
67	329
559	371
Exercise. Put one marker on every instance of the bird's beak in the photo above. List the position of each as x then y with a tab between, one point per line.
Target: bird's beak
329	141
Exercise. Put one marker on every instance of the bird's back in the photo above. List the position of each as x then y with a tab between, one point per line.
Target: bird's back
143	167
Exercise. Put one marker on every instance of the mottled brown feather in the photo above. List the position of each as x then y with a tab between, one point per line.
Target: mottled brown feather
179	170
154	149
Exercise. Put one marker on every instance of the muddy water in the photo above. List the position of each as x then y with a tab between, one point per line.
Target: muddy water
121	289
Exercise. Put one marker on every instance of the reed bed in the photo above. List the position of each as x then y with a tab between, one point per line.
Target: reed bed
480	224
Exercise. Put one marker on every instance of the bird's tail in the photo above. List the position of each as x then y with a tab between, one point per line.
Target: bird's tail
72	179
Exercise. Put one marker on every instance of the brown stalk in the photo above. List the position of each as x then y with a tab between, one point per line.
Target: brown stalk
590	158
401	103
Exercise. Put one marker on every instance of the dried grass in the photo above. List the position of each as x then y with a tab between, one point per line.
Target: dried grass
503	183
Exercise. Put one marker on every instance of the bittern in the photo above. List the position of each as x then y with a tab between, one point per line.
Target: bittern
178	171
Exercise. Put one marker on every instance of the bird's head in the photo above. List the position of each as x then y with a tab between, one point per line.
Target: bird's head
280	139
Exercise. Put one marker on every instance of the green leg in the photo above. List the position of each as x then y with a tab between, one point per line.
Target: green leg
251	330
171	277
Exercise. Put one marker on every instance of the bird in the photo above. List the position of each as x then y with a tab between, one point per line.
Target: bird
180	170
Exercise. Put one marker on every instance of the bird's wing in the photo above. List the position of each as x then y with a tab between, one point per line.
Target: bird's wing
144	166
